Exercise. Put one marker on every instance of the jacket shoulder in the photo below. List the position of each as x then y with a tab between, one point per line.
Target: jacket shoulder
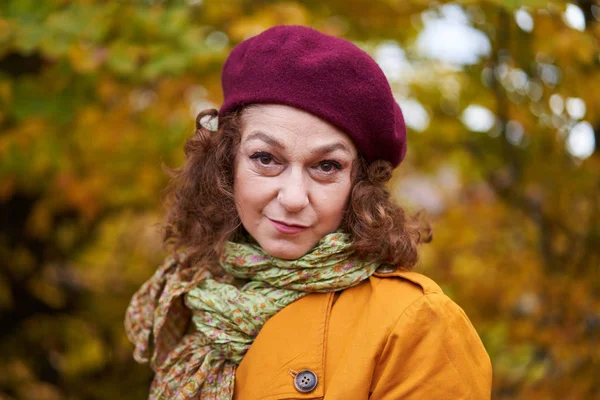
405	285
433	335
409	280
389	294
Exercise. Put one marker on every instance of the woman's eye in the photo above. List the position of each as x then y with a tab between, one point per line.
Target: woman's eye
265	159
262	157
329	166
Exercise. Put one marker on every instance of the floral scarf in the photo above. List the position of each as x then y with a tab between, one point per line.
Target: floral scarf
195	328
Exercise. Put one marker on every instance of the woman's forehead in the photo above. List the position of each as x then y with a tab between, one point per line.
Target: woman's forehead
283	126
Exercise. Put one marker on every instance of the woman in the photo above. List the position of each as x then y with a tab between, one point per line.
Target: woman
291	271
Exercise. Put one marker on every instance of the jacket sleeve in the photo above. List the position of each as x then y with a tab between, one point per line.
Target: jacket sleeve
433	352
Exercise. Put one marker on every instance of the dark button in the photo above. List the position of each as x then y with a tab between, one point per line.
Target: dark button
305	381
386	269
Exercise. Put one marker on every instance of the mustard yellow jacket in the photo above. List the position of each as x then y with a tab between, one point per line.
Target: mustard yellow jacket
394	336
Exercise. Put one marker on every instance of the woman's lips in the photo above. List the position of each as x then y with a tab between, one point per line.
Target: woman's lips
286	228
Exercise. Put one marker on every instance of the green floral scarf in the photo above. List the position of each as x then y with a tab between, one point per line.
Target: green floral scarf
199	359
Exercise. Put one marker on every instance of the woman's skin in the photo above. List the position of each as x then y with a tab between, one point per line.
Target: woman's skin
292	178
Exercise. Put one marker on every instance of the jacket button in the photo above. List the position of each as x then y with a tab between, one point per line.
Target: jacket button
305	381
386	269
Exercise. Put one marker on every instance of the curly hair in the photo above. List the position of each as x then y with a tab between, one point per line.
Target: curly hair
201	215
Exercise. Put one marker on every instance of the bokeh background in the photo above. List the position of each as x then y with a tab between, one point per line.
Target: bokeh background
503	107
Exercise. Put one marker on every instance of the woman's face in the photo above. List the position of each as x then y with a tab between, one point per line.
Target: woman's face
292	178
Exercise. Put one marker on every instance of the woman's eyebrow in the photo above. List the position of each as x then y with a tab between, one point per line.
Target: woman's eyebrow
329	148
265	138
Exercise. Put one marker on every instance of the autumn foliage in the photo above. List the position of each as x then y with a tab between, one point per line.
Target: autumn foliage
95	96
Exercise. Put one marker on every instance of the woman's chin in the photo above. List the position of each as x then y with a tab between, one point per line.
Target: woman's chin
286	254
285	251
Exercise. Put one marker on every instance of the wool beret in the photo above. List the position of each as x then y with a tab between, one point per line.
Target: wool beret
324	75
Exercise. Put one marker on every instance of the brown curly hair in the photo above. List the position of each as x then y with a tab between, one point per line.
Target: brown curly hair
201	214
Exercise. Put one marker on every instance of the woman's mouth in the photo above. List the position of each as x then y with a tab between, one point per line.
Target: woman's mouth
284	227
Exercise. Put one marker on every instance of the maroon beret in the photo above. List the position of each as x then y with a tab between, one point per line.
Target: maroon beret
324	75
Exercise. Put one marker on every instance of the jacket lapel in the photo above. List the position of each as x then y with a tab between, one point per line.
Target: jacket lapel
291	341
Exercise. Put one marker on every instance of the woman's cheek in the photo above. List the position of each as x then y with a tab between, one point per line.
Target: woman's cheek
334	200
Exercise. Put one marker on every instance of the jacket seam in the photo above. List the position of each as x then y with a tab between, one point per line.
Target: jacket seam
325	330
469	391
391	329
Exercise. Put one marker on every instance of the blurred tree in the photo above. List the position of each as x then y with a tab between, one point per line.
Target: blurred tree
95	95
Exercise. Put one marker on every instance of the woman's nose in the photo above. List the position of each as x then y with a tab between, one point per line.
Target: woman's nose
293	194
